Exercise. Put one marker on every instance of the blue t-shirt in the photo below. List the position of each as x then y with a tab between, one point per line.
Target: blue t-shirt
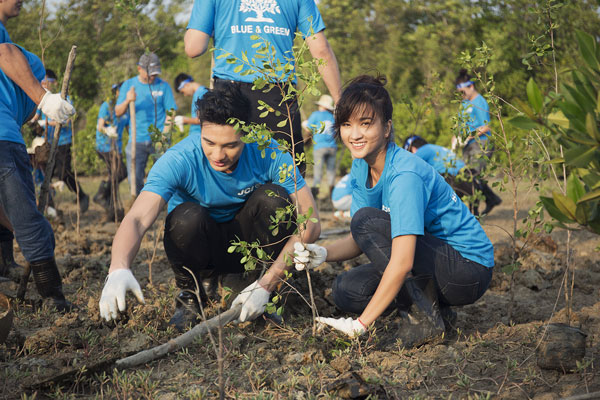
184	174
197	129
66	134
232	23
476	113
15	106
419	200
442	159
146	94
326	138
4	38
342	188
110	118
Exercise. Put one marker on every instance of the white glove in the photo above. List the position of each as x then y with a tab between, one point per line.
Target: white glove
253	299
179	122
351	327
56	108
111	131
309	255
42	123
115	288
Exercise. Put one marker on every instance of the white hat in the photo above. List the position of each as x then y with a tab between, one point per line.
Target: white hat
326	101
37	141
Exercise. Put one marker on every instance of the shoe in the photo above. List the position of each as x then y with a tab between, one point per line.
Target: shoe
84	203
210	286
101	197
8	267
315	191
491	199
187	311
449	317
49	285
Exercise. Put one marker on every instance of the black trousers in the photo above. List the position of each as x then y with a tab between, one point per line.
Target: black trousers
273	98
63	170
195	240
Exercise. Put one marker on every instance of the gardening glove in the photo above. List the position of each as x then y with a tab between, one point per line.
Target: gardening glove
113	295
56	108
351	327
308	255
111	131
179	122
41	122
253	299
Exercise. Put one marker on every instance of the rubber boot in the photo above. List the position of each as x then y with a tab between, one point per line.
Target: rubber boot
187	311
48	283
449	317
8	267
491	199
423	322
84	201
102	196
315	191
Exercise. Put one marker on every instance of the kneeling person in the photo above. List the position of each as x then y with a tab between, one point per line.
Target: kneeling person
217	188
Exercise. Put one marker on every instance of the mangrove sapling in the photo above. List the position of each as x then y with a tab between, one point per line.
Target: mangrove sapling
77	188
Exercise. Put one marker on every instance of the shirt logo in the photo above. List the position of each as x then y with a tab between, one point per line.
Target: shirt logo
385	208
157	93
260	7
454	198
248	190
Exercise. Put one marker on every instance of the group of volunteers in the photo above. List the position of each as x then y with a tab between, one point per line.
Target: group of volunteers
426	250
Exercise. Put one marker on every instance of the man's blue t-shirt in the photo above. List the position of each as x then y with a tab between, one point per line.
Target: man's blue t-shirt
342	188
146	94
197	129
232	23
183	174
4	38
476	113
15	106
419	200
442	159
66	134
325	138
110	118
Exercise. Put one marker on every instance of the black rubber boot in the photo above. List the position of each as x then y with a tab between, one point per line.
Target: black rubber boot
449	317
187	311
49	285
315	191
84	201
8	267
423	322
491	199
102	197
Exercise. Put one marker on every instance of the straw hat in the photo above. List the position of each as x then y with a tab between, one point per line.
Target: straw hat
326	101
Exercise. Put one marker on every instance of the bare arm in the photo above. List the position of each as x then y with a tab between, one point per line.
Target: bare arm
343	249
308	235
14	64
196	42
121	109
319	48
100	125
129	236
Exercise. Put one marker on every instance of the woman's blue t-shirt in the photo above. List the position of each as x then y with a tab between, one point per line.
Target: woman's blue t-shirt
326	137
110	118
442	159
197	129
419	200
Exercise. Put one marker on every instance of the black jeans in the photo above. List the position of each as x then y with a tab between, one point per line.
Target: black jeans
195	240
458	280
117	172
63	170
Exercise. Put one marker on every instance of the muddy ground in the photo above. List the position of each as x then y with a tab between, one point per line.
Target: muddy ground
488	356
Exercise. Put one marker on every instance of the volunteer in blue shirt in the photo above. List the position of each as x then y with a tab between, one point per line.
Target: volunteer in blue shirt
232	23
109	135
8	9
186	85
20	91
341	197
426	250
216	187
475	112
62	167
320	127
152	97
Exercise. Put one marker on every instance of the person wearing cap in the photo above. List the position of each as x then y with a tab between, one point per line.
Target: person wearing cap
152	97
21	73
477	149
186	85
62	167
109	134
233	24
320	127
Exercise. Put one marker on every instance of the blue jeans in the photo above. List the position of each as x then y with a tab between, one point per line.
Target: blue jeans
142	152
327	155
17	197
459	281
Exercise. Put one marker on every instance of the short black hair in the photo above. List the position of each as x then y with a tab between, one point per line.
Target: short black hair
364	93
115	87
180	78
218	106
414	141
50	74
463	76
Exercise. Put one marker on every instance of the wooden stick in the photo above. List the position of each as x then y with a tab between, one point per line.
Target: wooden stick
181	341
43	199
133	182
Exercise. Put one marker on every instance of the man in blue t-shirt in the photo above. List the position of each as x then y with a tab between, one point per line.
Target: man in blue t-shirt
153	98
219	189
20	91
186	85
320	127
234	23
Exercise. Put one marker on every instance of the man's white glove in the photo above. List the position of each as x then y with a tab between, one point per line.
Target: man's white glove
41	122
308	255
113	295
111	131
56	108
253	299
351	327
179	122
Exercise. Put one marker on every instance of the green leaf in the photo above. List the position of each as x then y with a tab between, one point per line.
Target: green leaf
575	188
535	96
238	69
554	212
282	123
565	205
522	122
587	49
593	195
580	156
558	118
592	126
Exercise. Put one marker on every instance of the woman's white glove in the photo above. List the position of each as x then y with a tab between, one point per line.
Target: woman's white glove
308	255
113	295
253	299
56	108
351	327
179	122
41	122
111	131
